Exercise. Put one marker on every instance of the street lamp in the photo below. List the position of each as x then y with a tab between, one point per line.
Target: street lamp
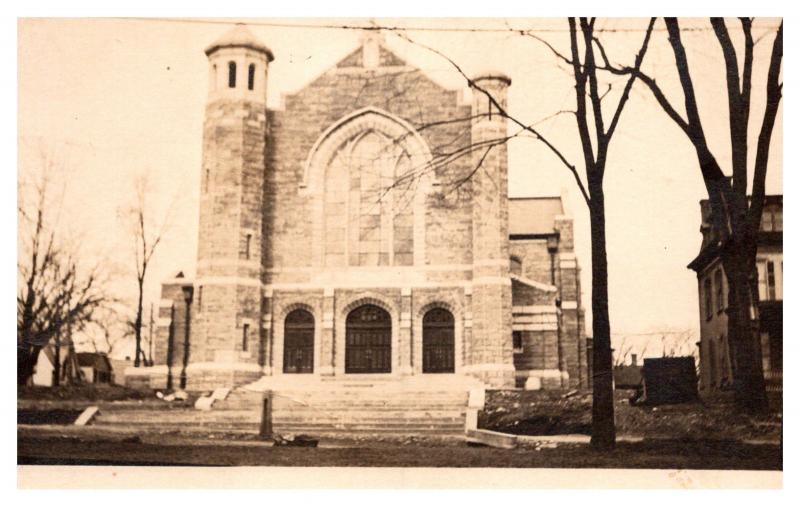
188	291
170	345
552	248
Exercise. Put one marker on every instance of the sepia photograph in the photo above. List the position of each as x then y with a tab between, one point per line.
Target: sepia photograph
462	243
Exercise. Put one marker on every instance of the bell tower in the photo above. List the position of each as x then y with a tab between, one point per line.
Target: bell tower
491	357
227	302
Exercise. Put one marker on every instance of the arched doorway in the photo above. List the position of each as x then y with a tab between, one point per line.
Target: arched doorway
298	342
438	341
368	344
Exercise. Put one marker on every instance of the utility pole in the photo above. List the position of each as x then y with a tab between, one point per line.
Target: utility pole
149	360
187	295
170	345
57	361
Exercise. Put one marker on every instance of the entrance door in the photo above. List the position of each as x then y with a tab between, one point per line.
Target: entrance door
298	342
369	341
438	341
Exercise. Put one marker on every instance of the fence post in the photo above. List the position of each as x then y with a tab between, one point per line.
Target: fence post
266	416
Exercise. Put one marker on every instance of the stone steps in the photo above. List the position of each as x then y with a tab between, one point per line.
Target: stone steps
361	412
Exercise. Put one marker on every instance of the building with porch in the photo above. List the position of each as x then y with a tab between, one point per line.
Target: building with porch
716	360
348	237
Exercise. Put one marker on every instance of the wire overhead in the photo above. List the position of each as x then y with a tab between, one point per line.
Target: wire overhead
396	28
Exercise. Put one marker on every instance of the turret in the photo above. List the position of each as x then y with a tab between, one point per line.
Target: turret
238	65
227	312
491	354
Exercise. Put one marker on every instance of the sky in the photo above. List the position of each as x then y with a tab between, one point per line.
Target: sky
112	99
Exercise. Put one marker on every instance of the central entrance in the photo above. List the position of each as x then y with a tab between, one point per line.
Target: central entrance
368	343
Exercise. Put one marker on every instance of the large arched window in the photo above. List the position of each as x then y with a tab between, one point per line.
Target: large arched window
369	203
438	341
368	343
298	342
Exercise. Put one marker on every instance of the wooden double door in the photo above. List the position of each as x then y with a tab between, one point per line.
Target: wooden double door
368	341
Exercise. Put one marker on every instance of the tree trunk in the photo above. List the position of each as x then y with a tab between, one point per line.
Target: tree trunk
57	362
137	325
603	430
743	332
26	361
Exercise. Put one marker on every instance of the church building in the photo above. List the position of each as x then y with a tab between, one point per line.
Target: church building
362	232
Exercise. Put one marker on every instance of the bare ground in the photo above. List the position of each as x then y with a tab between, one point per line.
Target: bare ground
701	435
560	412
662	454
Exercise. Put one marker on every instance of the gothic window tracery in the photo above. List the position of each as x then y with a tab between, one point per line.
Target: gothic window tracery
369	203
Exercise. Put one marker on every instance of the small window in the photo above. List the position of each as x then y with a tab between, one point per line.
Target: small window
248	240
517	338
251	76
231	74
766	221
200	298
245	335
709	298
205	183
771	280
719	290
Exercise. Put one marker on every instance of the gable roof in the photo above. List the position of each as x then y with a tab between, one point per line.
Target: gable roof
386	58
98	361
533	215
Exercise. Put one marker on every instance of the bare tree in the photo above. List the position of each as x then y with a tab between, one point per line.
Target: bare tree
736	217
595	135
623	351
147	236
109	327
55	296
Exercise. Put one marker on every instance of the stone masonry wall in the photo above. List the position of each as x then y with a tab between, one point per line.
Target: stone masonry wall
401	91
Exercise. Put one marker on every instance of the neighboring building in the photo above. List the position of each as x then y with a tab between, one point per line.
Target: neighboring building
715	357
628	376
95	367
341	238
118	367
44	368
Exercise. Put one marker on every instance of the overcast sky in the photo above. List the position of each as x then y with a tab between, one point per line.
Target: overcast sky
115	98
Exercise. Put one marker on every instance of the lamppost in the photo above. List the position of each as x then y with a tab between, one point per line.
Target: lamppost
188	291
170	345
552	248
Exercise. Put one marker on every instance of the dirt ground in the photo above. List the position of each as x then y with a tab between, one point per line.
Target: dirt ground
82	393
561	412
647	454
700	435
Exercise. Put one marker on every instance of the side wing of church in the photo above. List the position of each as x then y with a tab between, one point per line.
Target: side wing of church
363	233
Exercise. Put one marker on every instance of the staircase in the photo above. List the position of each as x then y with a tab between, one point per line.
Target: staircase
166	418
369	411
329	410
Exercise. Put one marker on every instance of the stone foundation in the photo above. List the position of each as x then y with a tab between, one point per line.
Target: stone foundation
199	377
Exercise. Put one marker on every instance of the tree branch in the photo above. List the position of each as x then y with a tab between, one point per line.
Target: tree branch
774	91
504	113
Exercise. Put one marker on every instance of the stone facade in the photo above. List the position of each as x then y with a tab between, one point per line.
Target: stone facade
363	190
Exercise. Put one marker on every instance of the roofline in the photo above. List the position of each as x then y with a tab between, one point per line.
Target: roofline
246	45
713	250
772	197
548	197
